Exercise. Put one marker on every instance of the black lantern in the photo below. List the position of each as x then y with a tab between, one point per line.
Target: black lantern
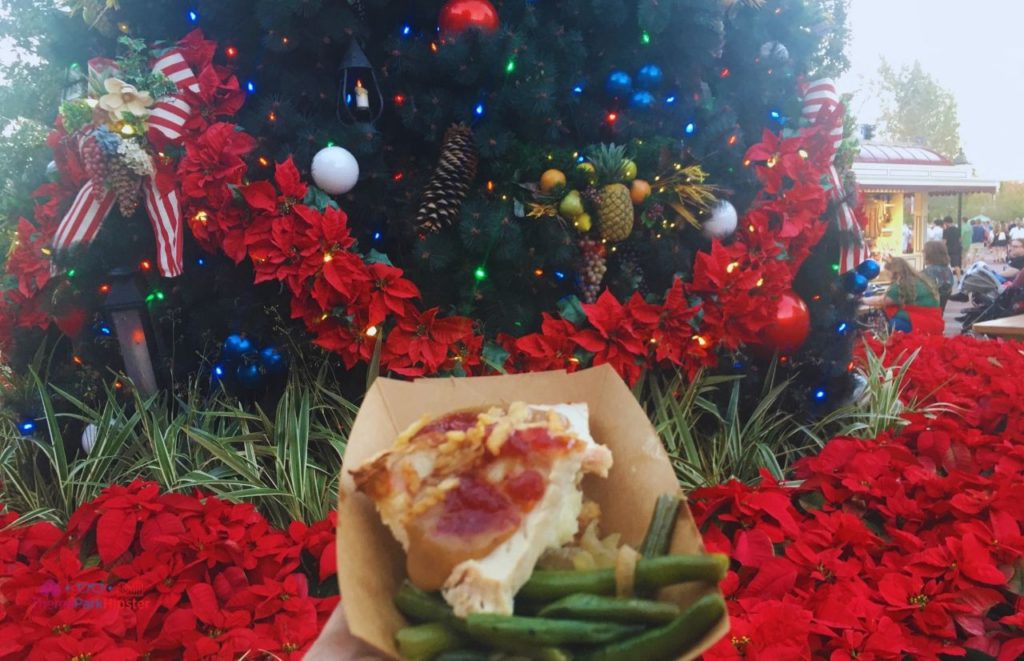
76	84
125	309
359	95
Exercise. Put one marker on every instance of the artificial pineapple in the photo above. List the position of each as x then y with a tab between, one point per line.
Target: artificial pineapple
615	206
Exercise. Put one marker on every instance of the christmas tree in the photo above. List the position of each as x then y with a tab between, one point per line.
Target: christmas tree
500	187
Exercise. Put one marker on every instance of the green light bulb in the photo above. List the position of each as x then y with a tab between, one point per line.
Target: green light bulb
645	38
835	267
159	295
71	273
480	273
510	66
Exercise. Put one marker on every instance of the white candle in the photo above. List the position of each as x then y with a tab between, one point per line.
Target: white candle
362	95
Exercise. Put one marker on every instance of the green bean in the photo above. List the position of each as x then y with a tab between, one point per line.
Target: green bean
671	640
420	606
610	609
651	574
511	631
425	641
663	522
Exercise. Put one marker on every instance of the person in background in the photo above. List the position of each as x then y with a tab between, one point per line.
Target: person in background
908	239
952	236
911	303
1017	231
966	236
935	230
977	246
936	260
1000	240
1014	259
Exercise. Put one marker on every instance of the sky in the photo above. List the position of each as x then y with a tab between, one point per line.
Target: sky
974	49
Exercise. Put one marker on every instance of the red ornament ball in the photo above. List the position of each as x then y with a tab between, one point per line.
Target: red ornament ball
457	16
788	331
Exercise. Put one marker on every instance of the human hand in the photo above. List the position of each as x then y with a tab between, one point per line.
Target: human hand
336	642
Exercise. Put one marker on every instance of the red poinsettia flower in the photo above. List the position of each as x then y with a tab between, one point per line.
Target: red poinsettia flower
675	333
390	292
419	343
27	261
550	349
212	161
615	339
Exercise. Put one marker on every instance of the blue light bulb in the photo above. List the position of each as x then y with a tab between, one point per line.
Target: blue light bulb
690	128
578	89
105	330
841	328
775	114
250	87
218	371
670	100
559	275
27	426
406	30
200	261
376	236
820	394
193	15
479	110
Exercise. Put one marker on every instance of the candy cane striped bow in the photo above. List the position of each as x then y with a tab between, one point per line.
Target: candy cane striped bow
166	122
821	103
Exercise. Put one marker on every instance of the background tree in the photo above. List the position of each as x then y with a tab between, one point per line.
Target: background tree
917	110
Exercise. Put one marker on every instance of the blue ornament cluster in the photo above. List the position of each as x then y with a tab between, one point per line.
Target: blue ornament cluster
856	282
242	363
648	79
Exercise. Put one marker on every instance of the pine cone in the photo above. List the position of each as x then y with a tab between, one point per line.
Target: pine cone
125	185
452	178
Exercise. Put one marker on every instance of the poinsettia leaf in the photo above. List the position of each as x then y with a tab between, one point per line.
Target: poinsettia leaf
571	309
377	257
1016	583
318	199
115	531
495	356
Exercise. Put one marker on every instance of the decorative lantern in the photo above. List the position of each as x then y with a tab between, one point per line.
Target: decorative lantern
359	95
125	308
76	84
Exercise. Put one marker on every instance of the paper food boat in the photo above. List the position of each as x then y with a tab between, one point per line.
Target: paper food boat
371	564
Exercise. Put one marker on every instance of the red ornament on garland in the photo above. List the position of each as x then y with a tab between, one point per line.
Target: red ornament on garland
789	330
457	16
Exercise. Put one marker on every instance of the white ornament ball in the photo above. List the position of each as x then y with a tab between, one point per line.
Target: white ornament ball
335	170
722	222
89	437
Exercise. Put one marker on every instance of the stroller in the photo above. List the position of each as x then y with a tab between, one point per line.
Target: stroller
981	284
1006	304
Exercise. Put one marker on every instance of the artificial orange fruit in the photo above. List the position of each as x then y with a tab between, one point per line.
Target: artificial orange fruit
551	179
639	191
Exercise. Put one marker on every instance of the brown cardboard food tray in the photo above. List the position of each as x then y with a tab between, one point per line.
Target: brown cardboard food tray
371	564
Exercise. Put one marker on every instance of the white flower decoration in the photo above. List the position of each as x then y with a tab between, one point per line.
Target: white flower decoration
124	98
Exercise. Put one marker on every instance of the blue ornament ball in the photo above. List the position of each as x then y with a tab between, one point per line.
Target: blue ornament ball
272	360
249	376
236	346
855	283
619	83
642	100
649	77
869	268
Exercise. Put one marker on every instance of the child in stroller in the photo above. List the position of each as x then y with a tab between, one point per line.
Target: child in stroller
1005	304
980	285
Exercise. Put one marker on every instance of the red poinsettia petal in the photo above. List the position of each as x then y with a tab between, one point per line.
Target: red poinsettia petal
115	532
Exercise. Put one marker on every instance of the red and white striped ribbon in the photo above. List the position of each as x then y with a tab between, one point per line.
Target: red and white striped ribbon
84	218
821	98
166	121
168	115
